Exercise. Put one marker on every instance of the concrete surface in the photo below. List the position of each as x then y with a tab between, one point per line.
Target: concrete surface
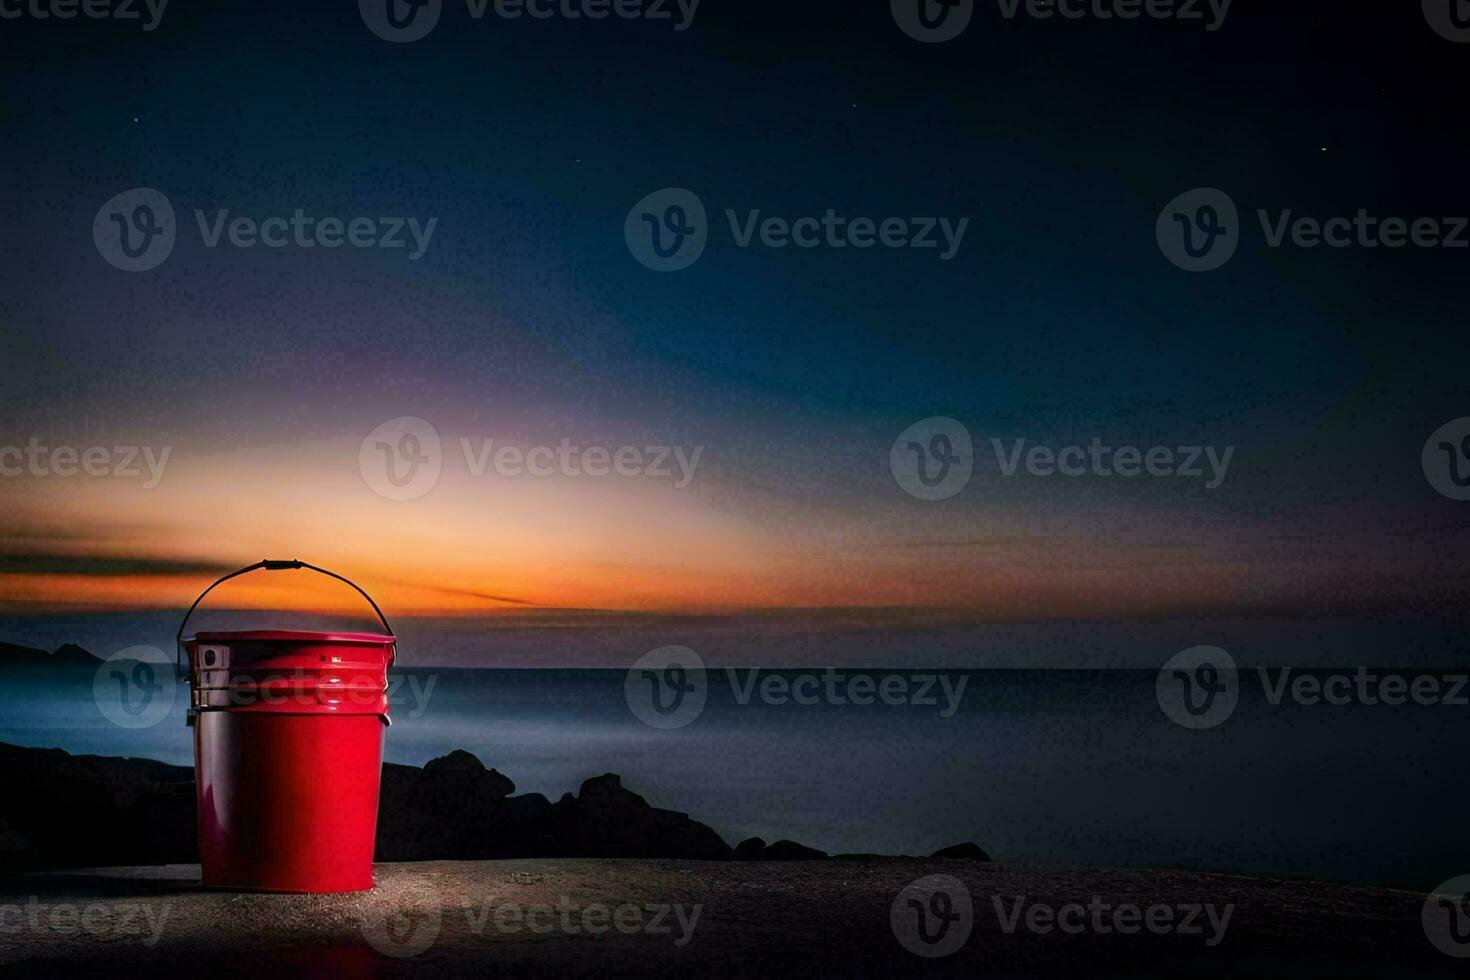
601	917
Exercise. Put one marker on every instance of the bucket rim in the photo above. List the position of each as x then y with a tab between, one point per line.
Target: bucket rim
290	636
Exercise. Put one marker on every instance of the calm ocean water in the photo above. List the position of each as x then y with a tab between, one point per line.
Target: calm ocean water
1048	765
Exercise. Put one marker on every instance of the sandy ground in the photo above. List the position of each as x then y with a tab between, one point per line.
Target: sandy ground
596	917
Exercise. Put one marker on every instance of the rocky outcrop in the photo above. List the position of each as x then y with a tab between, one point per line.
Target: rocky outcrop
72	655
755	849
456	809
606	820
967	851
749	849
86	810
62	810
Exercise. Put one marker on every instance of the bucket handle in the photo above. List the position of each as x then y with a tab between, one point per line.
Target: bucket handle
270	566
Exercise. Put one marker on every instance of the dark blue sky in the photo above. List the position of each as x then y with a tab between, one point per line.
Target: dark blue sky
530	140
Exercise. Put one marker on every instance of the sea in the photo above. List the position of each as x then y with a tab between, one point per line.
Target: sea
1065	748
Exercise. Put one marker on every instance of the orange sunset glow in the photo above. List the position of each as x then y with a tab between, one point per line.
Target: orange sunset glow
488	546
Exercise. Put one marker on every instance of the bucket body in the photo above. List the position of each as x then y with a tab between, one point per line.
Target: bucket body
288	752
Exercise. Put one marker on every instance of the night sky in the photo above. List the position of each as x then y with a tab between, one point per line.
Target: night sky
528	320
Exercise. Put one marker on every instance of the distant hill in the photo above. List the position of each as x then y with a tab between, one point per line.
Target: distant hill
66	655
14	653
71	653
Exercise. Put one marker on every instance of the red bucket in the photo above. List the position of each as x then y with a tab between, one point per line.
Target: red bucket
288	751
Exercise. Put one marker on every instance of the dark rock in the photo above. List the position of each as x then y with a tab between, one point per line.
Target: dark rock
790	850
15	850
460	763
87	810
70	653
967	851
606	820
457	761
12	654
68	656
456	809
755	849
453	808
749	849
62	810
